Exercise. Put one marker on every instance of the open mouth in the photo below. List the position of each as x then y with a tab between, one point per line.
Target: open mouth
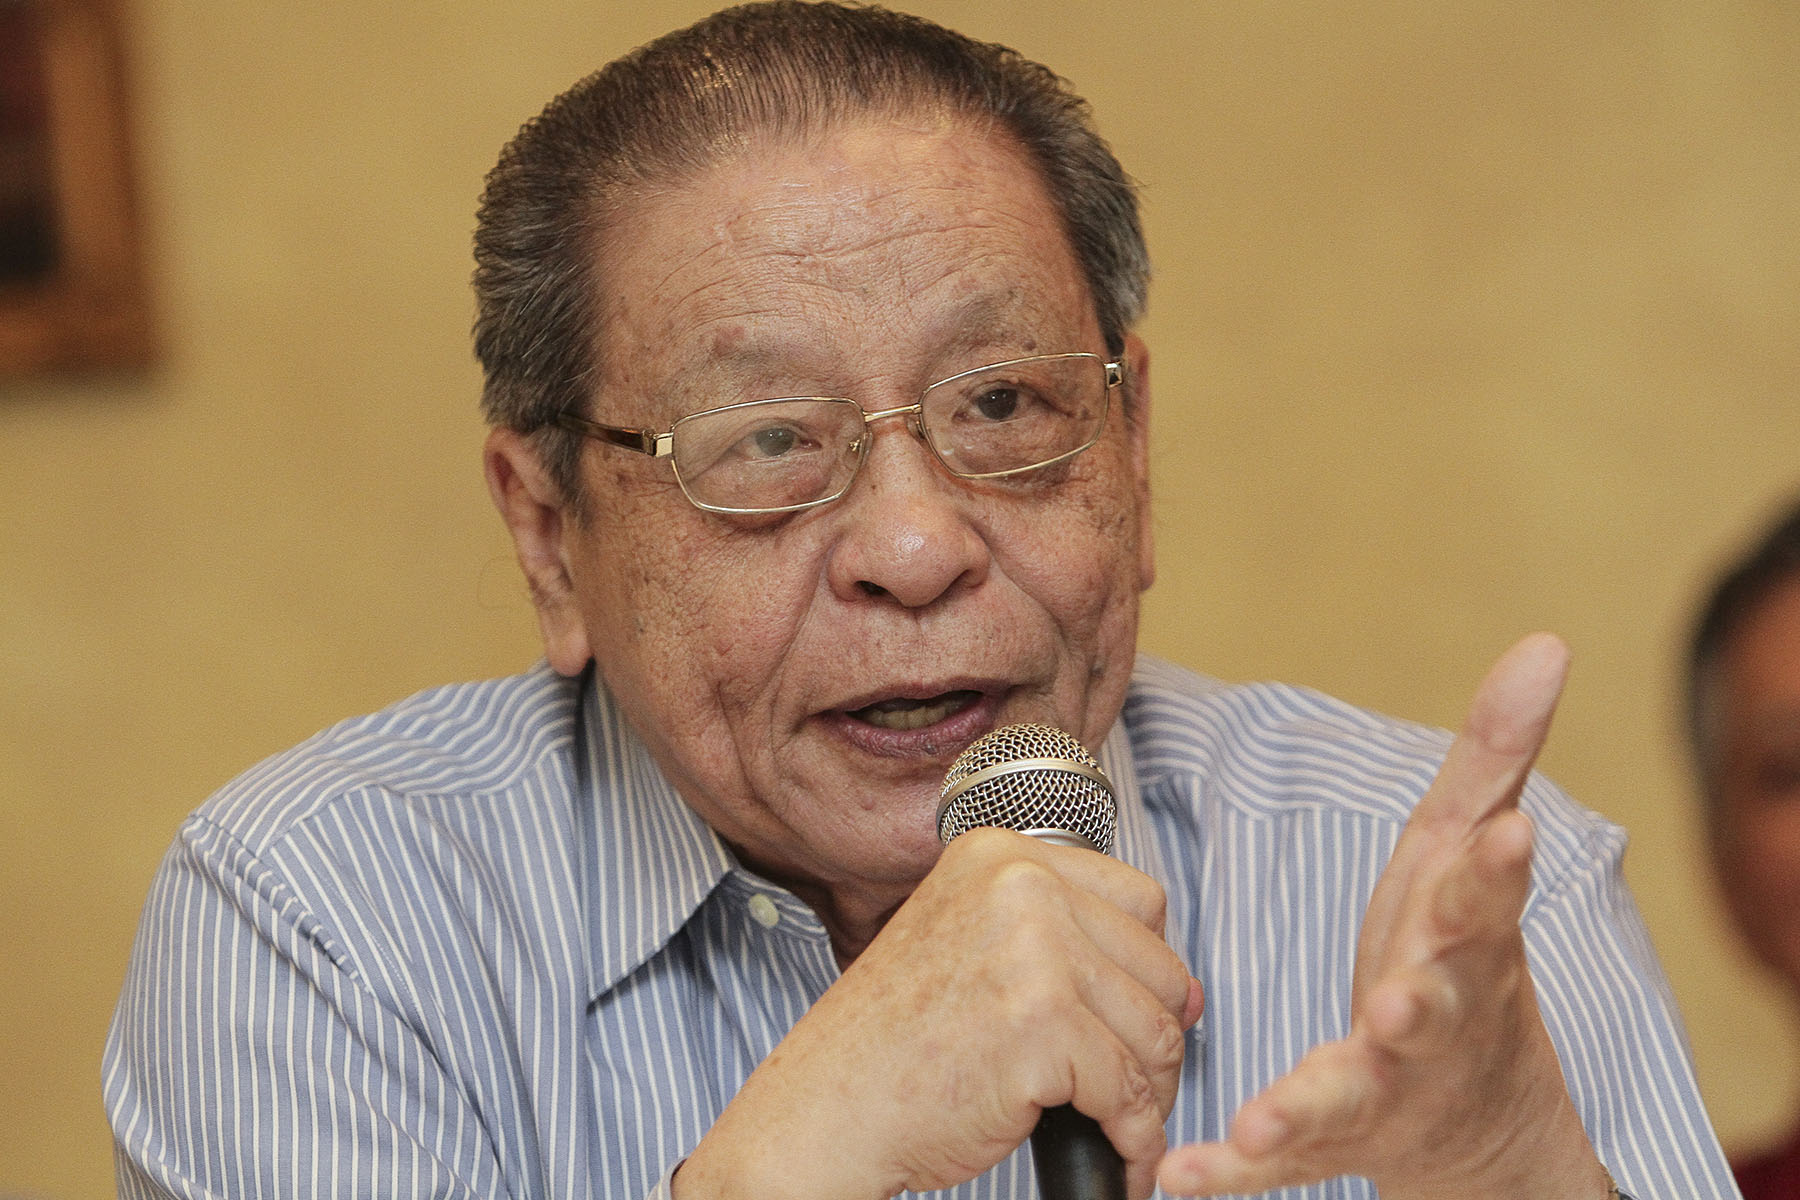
903	714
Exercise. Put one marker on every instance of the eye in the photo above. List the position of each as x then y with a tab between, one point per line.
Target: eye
772	441
997	403
766	441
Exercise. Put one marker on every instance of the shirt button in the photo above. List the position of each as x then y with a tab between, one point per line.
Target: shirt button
763	911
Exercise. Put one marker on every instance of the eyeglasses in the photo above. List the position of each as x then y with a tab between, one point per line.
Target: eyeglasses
782	455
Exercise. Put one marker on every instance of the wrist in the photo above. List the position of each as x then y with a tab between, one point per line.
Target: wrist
1518	1173
719	1169
768	1143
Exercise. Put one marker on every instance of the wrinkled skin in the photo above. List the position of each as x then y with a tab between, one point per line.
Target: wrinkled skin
868	263
805	680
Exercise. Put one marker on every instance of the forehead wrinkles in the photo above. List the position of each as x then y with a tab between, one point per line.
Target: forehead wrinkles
950	233
883	251
853	189
853	213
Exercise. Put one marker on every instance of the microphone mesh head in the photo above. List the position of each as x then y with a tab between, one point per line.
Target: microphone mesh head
1029	778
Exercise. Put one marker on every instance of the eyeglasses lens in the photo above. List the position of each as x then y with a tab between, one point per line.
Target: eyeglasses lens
775	455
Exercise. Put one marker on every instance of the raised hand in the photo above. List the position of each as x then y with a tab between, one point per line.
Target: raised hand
1447	1083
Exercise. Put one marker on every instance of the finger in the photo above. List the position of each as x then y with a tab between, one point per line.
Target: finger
1235	1167
1324	1098
1117	908
1205	1169
1122	886
1466	945
1223	1168
1416	1010
1295	1132
1303	1127
1483	772
1508	721
1140	954
1151	1033
1119	884
1487	896
1117	973
1071	956
1109	1084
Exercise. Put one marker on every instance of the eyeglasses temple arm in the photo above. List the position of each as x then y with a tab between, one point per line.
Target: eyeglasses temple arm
644	441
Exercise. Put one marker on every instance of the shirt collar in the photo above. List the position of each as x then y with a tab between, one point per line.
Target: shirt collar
1135	842
650	862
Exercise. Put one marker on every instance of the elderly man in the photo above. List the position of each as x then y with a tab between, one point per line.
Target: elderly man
669	915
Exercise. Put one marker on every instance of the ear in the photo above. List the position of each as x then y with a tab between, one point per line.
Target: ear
533	509
1137	427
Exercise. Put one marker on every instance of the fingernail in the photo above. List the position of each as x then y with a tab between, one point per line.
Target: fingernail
1196	1004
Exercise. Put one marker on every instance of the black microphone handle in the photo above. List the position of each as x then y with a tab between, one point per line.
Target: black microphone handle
1074	1159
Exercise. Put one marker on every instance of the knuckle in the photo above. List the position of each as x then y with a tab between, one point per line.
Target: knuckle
983	842
1154	907
1136	1094
1142	897
1135	1126
1141	1094
1022	884
1033	1008
1168	1047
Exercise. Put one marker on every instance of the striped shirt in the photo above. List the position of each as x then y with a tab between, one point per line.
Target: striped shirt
476	946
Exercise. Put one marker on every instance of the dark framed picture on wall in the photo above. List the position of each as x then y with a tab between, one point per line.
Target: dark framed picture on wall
72	287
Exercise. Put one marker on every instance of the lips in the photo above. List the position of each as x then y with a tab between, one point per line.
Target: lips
901	713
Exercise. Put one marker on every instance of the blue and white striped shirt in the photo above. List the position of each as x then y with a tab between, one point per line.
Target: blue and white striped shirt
476	946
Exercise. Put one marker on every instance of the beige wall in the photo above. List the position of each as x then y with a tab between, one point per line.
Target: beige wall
1470	318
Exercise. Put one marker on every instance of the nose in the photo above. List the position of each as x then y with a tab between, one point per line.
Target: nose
906	530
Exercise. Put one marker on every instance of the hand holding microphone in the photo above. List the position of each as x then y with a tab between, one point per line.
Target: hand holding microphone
1021	977
1041	782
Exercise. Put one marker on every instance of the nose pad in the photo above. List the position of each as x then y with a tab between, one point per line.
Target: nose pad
865	440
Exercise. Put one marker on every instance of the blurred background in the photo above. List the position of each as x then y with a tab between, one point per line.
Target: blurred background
1469	319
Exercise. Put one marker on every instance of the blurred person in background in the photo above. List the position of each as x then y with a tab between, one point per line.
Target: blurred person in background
1743	708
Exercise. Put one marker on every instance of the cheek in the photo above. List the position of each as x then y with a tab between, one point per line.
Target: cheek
1090	553
695	623
1760	875
1769	858
1077	558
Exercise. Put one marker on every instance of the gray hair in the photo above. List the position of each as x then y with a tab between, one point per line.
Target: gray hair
681	103
1761	570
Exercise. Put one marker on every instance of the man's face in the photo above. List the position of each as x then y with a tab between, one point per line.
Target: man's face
1757	787
806	679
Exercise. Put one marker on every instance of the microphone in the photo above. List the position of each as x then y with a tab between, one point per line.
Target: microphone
1040	781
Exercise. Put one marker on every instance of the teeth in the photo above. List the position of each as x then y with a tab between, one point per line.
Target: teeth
914	714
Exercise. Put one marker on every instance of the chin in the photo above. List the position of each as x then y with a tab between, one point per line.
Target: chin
906	860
